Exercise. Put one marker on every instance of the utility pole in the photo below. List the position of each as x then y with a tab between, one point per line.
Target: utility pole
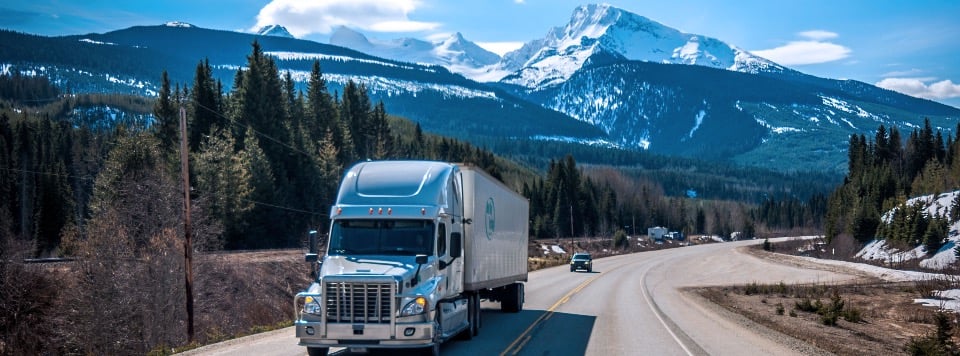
187	244
571	222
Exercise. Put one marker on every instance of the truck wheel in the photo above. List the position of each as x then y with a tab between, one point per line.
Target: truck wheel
521	296
475	313
434	350
467	334
317	351
511	301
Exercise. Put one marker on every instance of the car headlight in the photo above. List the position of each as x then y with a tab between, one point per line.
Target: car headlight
415	307
588	262
311	305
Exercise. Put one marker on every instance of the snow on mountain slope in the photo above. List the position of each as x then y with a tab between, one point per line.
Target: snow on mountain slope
604	31
274	30
455	52
941	259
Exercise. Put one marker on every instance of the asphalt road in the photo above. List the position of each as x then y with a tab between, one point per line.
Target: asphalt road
630	304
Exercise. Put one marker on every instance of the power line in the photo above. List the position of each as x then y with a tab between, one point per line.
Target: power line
47	173
282	207
234	122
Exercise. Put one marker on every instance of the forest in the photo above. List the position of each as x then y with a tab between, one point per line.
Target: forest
886	170
265	159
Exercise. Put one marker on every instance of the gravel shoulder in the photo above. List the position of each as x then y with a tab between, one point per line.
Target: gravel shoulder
883	317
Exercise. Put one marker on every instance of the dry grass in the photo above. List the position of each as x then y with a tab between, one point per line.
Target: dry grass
884	321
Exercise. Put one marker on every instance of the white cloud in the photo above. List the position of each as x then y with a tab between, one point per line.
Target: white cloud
500	48
439	36
815	49
944	89
902	73
818	35
302	17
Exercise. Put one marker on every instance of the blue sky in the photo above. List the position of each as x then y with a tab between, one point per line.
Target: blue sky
908	46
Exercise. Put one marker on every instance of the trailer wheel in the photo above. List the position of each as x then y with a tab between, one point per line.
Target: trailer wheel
318	351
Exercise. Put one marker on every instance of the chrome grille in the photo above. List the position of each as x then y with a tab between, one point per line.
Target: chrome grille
359	302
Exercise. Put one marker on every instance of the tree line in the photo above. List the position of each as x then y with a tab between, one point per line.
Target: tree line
265	159
884	171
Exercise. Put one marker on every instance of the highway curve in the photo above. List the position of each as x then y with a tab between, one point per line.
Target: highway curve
630	304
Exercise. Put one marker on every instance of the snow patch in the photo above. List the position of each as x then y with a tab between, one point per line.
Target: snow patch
698	120
87	40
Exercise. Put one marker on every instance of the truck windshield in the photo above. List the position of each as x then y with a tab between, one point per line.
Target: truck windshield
381	237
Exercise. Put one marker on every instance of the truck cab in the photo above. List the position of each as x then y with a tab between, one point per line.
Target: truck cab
393	273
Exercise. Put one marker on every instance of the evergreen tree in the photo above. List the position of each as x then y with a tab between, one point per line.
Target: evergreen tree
263	218
955	209
355	112
7	177
205	103
383	146
936	234
223	177
322	114
165	112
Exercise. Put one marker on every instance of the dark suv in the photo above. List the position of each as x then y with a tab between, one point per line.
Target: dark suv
581	261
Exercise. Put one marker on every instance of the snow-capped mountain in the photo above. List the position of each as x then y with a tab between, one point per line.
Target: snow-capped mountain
651	87
607	77
456	53
603	33
178	24
131	61
274	30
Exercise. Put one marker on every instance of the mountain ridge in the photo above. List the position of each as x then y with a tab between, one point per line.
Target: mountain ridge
766	116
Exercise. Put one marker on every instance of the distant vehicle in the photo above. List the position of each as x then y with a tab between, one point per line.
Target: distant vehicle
413	247
581	261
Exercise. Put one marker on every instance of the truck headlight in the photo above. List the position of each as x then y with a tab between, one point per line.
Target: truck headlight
414	307
311	305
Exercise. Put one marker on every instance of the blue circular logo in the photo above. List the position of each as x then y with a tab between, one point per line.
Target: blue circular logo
491	217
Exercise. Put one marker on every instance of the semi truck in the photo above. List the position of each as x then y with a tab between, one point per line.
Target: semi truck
413	247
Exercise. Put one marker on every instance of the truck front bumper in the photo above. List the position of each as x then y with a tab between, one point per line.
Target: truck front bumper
316	334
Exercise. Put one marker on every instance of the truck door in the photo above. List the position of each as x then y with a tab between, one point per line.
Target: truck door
454	224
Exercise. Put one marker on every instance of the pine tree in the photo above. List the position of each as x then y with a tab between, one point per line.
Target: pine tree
383	144
205	102
223	177
262	218
935	235
165	112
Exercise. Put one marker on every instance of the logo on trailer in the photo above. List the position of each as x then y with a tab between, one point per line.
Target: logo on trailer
490	216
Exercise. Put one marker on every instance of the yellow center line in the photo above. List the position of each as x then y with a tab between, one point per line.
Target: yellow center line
525	337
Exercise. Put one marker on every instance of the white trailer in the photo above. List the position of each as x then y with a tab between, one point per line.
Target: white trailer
495	243
413	247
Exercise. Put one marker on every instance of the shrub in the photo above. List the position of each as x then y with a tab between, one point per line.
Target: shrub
852	315
780	309
27	299
805	305
937	343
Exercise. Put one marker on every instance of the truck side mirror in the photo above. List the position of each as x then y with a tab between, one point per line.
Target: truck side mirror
311	257
456	244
